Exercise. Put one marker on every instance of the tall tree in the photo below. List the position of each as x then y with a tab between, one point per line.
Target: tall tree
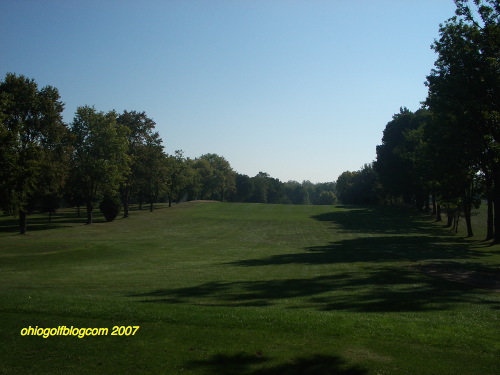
153	174
140	133
464	93
99	159
177	176
33	144
394	163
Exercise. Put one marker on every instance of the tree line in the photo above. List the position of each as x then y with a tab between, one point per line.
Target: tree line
111	159
446	155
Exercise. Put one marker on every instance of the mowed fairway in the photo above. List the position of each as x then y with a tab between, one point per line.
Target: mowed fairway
227	288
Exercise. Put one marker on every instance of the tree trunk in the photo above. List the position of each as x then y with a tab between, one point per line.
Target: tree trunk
90	208
434	206
467	203
496	219
496	206
451	219
467	213
489	222
169	201
78	209
125	195
151	206
407	198
438	212
425	197
489	197
22	222
457	219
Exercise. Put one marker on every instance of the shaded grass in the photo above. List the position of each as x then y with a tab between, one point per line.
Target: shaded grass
248	289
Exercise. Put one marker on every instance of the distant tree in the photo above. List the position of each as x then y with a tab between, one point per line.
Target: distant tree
367	185
218	178
33	144
319	188
274	190
193	180
344	185
153	176
260	184
203	181
359	187
99	160
178	177
296	192
244	188
327	198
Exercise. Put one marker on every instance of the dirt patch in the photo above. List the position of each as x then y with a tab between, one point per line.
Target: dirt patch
479	276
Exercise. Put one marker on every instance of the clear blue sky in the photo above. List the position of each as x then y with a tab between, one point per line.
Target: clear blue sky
301	90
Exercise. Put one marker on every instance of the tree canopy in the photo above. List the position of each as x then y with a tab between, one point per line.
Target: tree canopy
99	161
33	144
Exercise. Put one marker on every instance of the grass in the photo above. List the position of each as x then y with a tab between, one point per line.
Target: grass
220	288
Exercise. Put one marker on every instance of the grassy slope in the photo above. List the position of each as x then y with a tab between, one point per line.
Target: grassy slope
247	289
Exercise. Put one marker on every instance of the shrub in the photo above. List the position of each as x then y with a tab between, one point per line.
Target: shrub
110	207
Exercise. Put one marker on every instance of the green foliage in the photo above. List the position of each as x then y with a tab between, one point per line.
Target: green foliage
33	144
327	197
99	160
216	178
152	175
244	188
262	188
296	192
395	164
110	207
359	187
464	99
141	169
178	176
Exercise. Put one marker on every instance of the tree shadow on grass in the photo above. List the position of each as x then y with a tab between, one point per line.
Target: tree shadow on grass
381	289
40	223
245	364
371	249
380	220
368	288
379	235
484	276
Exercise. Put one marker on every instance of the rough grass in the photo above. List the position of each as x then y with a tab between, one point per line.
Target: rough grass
220	288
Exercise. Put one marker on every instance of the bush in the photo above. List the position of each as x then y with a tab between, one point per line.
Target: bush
110	207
